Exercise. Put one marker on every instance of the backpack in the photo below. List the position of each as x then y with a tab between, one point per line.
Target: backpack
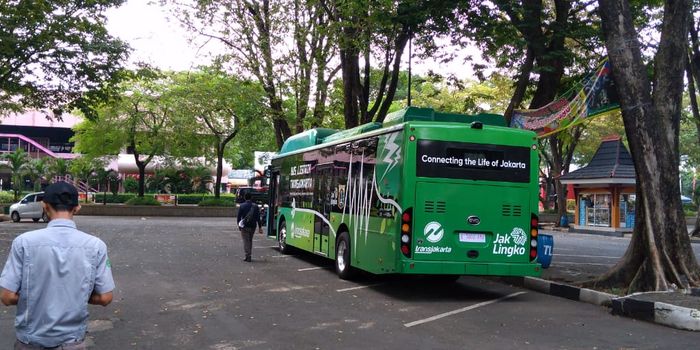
247	218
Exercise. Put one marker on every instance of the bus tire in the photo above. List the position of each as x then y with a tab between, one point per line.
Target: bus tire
342	257
282	238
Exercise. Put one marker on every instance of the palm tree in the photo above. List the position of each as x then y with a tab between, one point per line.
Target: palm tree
58	167
37	170
17	163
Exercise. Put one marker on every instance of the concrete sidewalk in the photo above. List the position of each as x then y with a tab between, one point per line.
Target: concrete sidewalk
679	309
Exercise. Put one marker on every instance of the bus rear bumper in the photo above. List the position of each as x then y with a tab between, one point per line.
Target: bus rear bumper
469	268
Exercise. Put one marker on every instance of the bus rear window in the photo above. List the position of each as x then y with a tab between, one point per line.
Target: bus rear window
470	161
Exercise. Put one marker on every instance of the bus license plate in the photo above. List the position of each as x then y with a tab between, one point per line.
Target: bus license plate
472	237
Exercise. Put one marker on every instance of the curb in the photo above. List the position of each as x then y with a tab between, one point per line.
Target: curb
657	312
678	317
585	295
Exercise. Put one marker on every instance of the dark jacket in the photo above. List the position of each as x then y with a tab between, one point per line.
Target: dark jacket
243	211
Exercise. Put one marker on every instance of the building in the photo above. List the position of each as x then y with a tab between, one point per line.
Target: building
605	190
41	136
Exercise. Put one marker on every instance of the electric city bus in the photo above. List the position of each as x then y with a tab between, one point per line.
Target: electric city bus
424	192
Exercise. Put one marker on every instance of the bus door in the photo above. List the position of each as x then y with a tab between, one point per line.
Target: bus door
323	187
273	207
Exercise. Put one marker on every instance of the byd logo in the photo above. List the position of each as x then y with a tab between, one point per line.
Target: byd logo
433	232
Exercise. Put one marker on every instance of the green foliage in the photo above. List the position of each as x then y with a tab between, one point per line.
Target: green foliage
7	197
138	119
131	184
145	200
52	52
469	97
217	202
17	162
596	129
38	170
116	198
211	102
58	167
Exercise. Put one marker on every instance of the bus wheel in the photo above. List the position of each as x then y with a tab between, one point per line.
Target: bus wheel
282	238
342	257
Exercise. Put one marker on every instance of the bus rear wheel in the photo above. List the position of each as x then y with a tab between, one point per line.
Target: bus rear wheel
282	238
342	257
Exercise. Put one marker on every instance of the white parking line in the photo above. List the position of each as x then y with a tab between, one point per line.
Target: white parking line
588	256
311	268
272	246
454	312
280	256
358	287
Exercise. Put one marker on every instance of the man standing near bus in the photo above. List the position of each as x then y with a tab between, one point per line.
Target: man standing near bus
250	214
52	274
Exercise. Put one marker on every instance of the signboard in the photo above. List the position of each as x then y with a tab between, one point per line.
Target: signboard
470	161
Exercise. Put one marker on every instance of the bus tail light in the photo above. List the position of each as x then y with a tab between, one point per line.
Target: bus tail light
534	222
406	232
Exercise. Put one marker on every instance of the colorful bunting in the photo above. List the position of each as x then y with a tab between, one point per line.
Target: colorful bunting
593	96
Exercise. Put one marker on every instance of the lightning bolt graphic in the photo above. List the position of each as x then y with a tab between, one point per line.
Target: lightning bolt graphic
391	149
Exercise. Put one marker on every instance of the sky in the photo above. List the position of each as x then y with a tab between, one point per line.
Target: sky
160	41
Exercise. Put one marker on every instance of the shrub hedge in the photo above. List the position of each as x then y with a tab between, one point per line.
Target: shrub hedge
145	200
220	202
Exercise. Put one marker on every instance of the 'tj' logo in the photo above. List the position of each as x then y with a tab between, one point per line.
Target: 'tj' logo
433	232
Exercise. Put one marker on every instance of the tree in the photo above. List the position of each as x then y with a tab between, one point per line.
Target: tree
139	120
83	169
222	105
57	167
542	38
659	255
379	31
37	170
283	44
54	53
693	76
17	163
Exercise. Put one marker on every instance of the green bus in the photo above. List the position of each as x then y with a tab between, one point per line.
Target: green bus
424	192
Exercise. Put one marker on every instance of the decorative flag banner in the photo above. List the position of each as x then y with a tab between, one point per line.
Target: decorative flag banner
594	95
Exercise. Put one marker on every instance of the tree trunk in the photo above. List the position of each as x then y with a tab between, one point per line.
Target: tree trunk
690	68
660	256
349	68
400	45
520	86
219	169
142	178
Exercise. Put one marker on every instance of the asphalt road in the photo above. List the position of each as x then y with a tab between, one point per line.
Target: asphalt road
584	256
181	284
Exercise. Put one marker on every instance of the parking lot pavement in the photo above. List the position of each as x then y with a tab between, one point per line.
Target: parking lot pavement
181	284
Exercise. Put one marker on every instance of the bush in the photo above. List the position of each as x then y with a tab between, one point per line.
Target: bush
111	198
146	200
213	202
7	197
690	207
131	184
196	198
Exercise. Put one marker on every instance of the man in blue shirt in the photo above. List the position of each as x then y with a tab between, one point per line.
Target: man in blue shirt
52	274
250	211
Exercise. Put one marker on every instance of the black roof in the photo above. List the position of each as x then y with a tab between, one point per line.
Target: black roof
611	161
